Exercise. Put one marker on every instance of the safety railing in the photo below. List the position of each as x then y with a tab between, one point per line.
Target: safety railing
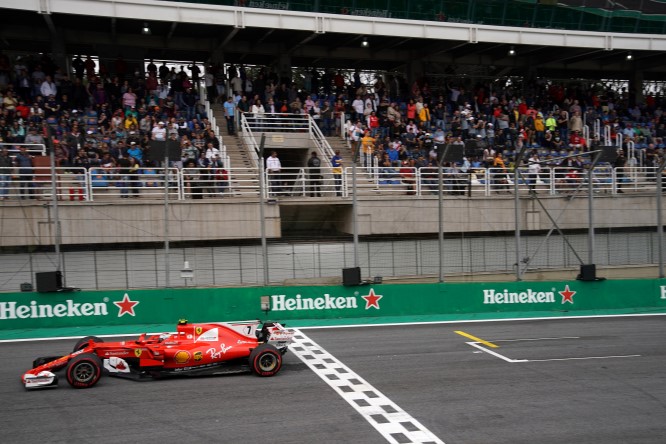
101	184
36	183
306	182
144	182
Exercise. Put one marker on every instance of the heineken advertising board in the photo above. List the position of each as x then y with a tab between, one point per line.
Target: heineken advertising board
127	307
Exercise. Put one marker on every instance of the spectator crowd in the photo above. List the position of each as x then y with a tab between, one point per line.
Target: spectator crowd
108	116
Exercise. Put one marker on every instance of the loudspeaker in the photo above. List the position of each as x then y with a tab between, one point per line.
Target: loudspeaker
160	149
588	272
351	276
49	281
452	152
608	153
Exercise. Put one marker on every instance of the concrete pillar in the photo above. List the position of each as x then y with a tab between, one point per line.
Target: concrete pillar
635	89
284	65
59	53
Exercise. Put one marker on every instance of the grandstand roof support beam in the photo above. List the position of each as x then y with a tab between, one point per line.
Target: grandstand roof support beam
49	23
227	39
114	33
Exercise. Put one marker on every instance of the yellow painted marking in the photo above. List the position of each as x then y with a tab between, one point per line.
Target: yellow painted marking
475	339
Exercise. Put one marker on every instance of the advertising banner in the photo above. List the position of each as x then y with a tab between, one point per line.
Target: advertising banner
129	307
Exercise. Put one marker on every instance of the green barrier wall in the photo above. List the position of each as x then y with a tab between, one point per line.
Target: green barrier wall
110	308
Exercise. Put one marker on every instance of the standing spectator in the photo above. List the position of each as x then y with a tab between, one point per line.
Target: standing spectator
273	167
209	83
368	148
620	164
129	99
23	163
326	119
534	168
5	173
190	99
336	163
230	114
314	175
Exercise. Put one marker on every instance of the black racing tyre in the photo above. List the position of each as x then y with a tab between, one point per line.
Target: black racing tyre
266	360
83	342
83	371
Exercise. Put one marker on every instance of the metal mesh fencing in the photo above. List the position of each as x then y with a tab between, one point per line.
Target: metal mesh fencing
243	264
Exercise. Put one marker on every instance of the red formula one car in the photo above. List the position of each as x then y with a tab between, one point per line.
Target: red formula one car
195	349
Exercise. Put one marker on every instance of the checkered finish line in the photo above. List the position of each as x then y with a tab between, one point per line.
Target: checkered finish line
396	425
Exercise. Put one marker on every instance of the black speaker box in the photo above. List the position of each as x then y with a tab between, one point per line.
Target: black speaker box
48	281
351	276
588	272
160	149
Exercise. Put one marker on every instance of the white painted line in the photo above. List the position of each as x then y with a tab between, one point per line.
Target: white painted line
478	321
583	358
534	339
388	324
507	359
494	353
392	422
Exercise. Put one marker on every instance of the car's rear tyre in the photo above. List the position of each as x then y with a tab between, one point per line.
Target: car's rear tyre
84	371
266	360
83	342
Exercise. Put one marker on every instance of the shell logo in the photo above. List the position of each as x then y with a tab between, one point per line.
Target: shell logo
181	357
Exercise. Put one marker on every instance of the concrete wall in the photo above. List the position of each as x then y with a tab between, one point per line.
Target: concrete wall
81	223
29	224
386	217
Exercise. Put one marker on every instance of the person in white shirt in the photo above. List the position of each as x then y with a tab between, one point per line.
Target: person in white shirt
258	111
273	167
358	105
534	168
48	87
211	152
159	132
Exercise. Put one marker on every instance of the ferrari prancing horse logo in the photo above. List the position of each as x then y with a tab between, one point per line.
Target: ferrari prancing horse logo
198	330
137	352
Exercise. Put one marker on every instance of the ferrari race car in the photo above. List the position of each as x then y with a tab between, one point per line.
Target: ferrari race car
195	349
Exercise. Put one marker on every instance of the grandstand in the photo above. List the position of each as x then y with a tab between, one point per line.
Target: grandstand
532	106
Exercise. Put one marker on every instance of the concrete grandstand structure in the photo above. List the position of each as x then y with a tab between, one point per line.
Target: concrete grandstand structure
289	38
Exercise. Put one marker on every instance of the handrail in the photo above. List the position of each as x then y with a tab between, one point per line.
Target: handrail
607	135
79	184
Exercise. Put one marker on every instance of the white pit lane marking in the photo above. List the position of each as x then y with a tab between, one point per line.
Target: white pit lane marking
507	359
392	422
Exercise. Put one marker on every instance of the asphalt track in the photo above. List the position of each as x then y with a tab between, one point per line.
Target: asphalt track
600	380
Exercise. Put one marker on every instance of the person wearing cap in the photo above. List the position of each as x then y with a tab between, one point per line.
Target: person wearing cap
539	128
159	132
135	151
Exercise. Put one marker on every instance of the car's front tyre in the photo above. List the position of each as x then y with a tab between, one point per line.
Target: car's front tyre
84	370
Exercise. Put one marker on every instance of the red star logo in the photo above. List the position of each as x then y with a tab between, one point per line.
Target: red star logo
567	295
372	299
126	306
